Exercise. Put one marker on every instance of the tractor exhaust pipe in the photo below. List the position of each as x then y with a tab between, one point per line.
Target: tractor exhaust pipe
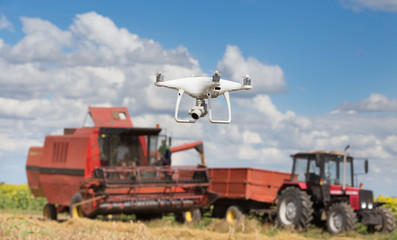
344	167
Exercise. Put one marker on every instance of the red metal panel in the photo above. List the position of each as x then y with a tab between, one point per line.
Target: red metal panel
32	170
249	183
63	167
110	117
352	192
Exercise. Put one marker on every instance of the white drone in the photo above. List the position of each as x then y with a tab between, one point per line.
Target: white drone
202	88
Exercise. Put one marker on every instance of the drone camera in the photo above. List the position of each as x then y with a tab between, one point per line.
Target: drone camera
197	112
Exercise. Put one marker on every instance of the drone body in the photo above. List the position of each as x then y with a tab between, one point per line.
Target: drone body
202	88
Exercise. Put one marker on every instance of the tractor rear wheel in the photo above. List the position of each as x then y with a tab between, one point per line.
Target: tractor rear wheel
76	211
341	217
192	216
50	212
234	214
388	220
294	209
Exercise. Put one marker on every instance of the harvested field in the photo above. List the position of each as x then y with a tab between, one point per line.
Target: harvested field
33	226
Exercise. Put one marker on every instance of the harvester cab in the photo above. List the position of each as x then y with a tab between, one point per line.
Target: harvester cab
322	190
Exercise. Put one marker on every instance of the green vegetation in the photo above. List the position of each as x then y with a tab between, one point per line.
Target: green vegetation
390	202
18	197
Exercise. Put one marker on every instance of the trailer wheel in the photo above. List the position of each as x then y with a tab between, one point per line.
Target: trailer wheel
388	220
294	209
50	212
234	214
193	216
76	211
341	217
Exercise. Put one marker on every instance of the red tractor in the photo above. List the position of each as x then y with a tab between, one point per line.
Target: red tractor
321	190
115	168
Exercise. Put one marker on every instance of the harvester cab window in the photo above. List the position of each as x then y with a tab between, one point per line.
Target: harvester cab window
122	150
163	152
127	147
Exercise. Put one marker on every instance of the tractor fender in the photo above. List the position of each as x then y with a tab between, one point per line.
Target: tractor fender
300	185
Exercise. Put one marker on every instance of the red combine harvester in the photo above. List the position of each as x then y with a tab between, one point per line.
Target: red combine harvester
115	168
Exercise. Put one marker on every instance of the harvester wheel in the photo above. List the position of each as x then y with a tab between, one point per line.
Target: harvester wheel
50	212
76	211
294	209
341	217
388	220
193	216
234	215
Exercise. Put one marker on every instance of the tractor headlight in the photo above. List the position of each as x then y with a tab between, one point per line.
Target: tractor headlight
363	205
370	205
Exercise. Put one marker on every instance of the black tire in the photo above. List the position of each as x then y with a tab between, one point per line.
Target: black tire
341	217
148	217
50	212
189	217
76	211
234	214
388	220
219	211
294	209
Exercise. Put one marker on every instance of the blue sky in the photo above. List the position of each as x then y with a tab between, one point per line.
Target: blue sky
324	74
327	50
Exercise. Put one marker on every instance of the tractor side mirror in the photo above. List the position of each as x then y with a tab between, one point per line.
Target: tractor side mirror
366	166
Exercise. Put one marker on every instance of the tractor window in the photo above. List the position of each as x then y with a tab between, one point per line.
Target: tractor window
314	171
349	178
330	173
300	169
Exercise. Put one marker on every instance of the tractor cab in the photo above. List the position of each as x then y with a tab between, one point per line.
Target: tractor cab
322	168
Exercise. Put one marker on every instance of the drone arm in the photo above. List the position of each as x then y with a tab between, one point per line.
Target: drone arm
178	101
226	95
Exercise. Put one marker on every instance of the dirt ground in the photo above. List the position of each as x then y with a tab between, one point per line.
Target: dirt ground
33	226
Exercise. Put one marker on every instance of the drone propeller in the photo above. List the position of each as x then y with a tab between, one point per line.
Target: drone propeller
159	76
247	80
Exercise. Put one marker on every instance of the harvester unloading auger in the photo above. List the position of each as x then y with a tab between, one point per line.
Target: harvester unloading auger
115	168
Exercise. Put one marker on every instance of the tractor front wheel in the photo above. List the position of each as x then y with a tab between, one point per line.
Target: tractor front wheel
294	209
50	212
388	221
341	217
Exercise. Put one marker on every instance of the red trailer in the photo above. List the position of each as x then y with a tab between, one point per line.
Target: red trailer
115	167
244	190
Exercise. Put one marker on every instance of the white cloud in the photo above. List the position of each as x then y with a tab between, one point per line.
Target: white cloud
250	137
374	103
265	78
391	143
377	5
43	42
5	24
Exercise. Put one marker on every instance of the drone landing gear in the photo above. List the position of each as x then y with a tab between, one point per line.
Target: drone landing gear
200	110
